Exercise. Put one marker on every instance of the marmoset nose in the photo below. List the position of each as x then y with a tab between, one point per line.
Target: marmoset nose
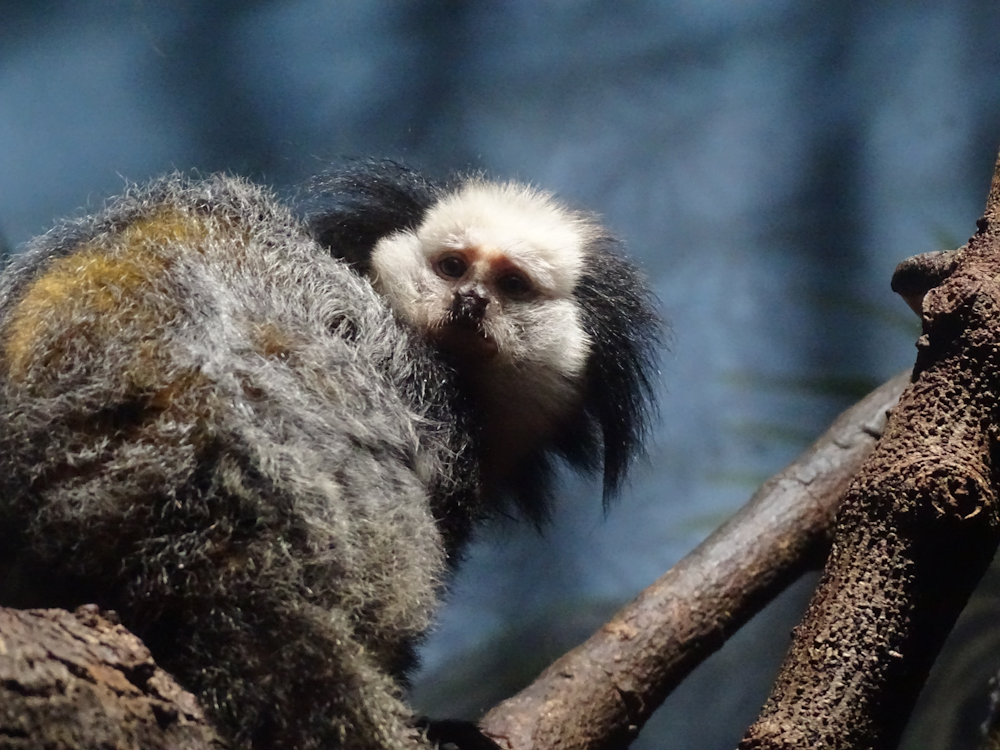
470	305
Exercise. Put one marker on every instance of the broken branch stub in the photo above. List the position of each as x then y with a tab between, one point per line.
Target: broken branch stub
918	528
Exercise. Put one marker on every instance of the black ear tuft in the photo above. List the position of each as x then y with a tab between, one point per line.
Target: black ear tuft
352	208
619	314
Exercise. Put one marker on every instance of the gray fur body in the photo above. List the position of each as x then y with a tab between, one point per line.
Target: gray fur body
212	423
213	427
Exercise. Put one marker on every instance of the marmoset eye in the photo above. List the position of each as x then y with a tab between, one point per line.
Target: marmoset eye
514	285
452	266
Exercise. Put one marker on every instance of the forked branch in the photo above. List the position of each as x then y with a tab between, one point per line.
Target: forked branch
919	525
600	694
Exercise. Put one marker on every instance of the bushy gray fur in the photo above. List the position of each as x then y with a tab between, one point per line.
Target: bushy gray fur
211	423
213	427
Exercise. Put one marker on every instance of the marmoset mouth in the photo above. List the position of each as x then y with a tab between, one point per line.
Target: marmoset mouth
465	339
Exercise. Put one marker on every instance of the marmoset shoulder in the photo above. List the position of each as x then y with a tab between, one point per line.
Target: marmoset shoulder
264	461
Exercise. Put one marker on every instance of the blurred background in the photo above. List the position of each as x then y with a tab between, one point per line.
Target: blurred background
767	161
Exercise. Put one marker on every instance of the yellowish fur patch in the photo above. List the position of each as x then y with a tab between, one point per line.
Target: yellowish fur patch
93	287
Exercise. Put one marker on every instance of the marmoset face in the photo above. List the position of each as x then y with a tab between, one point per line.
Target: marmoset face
551	332
490	273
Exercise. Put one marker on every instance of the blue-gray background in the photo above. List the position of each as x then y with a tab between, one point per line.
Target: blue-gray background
768	162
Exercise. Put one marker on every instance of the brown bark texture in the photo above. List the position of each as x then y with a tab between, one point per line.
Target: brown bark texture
72	681
919	525
600	694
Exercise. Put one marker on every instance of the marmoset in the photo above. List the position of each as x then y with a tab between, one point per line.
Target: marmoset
267	462
551	330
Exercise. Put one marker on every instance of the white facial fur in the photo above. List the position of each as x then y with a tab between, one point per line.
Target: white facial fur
526	357
496	228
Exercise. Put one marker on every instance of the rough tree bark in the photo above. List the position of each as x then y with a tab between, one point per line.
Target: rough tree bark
919	525
78	680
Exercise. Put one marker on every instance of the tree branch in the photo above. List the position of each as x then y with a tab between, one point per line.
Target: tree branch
599	695
917	530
